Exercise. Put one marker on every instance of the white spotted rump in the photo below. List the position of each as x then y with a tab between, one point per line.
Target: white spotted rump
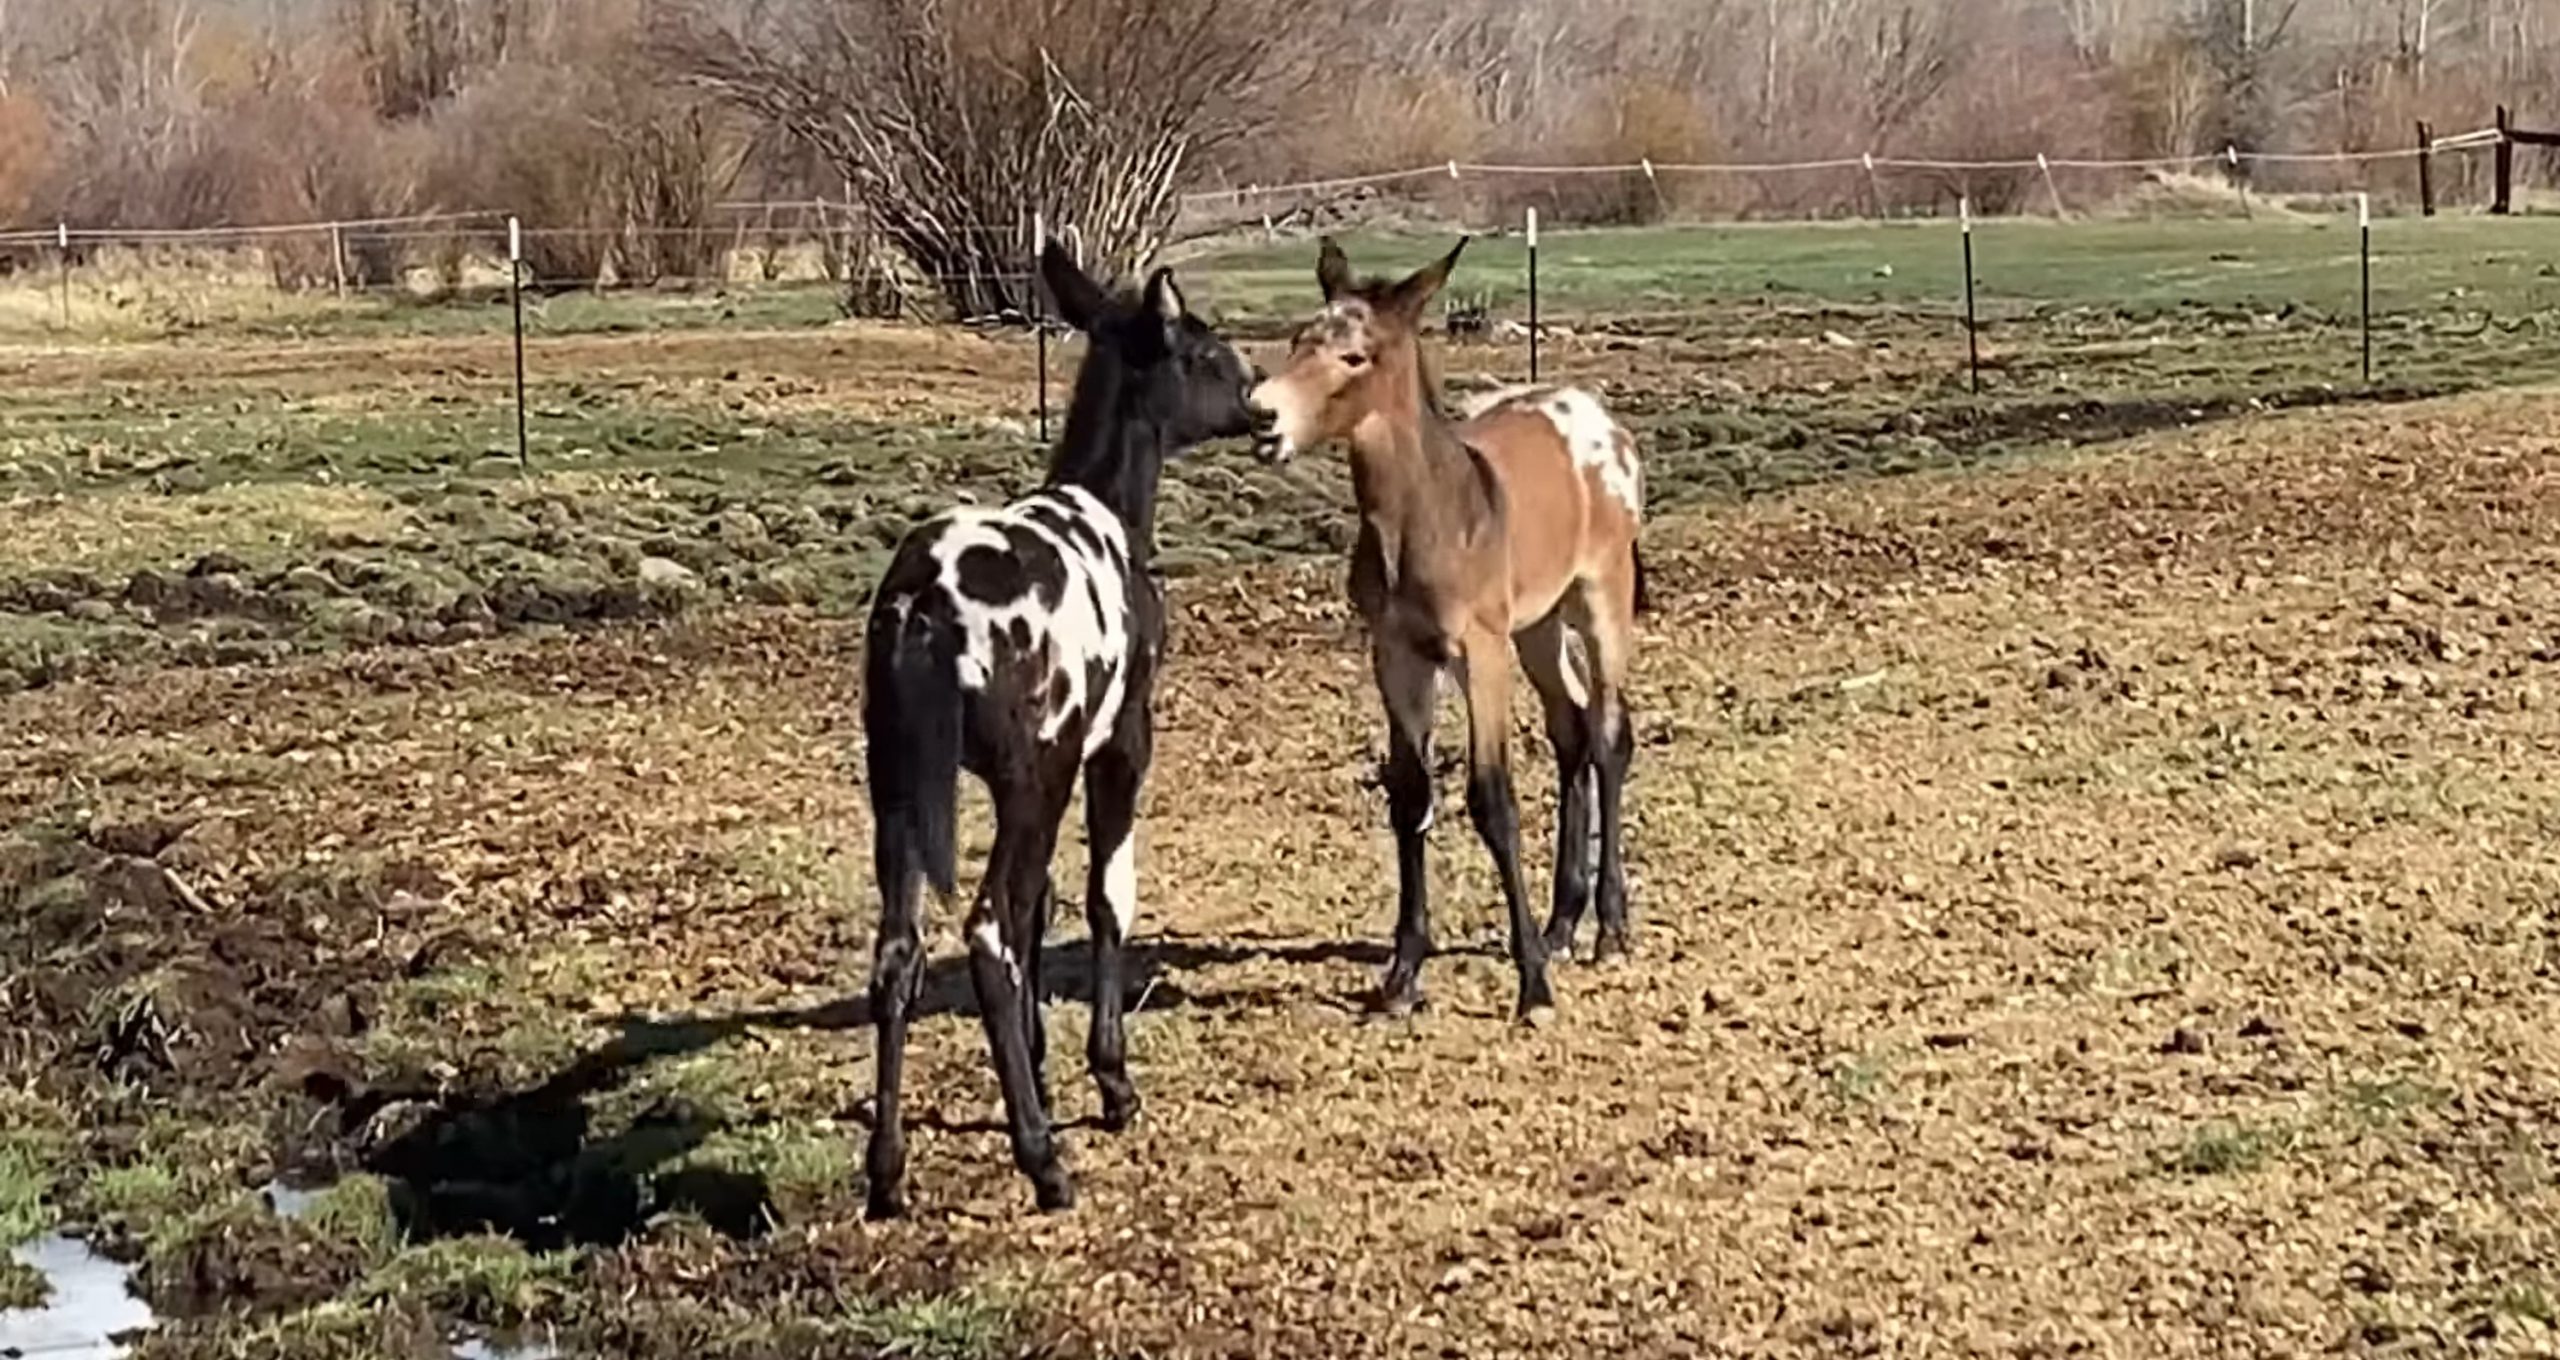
1081	641
1598	443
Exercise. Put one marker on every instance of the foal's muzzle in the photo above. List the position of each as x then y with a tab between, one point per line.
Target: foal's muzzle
1266	436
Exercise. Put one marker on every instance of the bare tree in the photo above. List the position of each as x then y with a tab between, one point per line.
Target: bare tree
2240	40
418	53
954	123
1904	55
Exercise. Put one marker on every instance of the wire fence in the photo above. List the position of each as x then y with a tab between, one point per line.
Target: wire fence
759	222
1957	274
2229	157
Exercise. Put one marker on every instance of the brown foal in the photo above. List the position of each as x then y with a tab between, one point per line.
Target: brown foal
1515	525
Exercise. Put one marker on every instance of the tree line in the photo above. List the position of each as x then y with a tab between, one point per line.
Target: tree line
620	125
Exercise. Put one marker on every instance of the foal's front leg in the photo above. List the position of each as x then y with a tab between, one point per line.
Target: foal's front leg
1410	684
1018	874
1111	782
1485	659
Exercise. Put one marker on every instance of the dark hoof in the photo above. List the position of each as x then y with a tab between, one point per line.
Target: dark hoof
1119	1110
1537	1001
1395	1003
1613	947
884	1173
1559	941
1054	1193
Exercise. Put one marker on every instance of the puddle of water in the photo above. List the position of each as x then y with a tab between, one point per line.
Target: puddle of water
485	1348
289	1202
88	1308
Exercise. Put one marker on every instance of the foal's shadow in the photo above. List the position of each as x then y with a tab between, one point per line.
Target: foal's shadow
529	1164
1066	974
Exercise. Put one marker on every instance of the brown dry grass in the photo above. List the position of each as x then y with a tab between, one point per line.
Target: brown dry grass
2103	907
113	530
857	369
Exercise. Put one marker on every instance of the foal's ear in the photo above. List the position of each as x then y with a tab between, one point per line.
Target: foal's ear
1333	270
1164	300
1418	288
1081	301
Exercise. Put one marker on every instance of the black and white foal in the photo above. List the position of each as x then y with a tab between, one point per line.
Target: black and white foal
1021	644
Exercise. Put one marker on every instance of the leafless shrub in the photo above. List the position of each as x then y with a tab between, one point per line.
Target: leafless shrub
955	123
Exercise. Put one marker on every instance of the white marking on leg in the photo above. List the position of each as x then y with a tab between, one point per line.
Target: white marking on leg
988	938
1569	660
1120	883
1590	795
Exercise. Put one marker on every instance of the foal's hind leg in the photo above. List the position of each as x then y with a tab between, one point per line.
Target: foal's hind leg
897	971
1028	808
1547	653
1034	934
1608	624
1111	782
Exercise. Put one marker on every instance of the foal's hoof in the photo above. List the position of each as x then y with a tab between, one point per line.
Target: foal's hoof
1537	1000
1054	1193
1559	942
1613	946
884	1203
1395	1003
1119	1110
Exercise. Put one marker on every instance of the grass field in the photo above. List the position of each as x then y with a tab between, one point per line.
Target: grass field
2095	890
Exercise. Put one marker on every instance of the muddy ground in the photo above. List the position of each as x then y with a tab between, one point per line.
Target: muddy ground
2092	902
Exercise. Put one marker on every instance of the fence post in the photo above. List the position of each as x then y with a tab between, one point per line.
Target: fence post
62	268
515	298
2426	168
338	256
1875	187
1972	340
2364	253
1039	322
1533	294
2059	212
2506	160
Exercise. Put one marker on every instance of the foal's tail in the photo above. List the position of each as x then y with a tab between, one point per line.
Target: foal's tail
911	715
1644	599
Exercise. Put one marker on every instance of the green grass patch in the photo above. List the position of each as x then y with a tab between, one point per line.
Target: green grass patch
1861	1079
30	1159
965	1325
496	1011
2227	1149
485	1281
356	1210
2136	268
2530	1300
21	1285
136	1194
2378	1104
801	1163
335	1330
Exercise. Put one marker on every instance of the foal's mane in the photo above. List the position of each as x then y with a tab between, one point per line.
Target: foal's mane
1426	367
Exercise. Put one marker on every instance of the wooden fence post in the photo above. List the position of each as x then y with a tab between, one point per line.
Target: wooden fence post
2426	168
2504	203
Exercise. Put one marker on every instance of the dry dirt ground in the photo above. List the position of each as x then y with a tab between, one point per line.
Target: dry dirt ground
2099	906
